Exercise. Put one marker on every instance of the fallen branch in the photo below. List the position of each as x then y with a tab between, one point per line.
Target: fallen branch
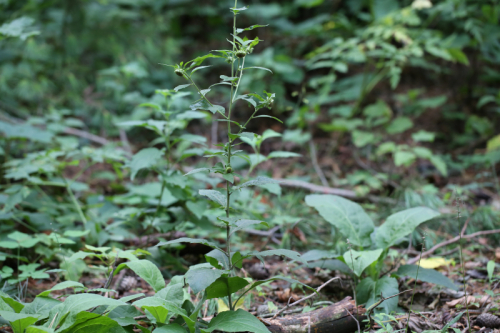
380	301
334	318
454	240
305	298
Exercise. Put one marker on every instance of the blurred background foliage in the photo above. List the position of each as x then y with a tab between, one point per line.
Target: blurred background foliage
394	98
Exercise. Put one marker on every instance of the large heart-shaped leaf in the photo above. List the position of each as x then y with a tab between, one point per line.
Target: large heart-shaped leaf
224	286
401	224
349	217
201	276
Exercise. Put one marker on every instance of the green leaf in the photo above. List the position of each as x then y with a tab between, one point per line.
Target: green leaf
236	321
39	329
358	261
218	259
224	286
255	67
401	224
84	322
68	311
17	306
362	138
244	224
440	164
170	328
399	125
386	147
257	181
405	158
19	322
21	27
423	136
201	276
295	256
189	240
369	292
182	86
267	116
347	216
251	28
426	275
161	309
197	170
458	55
216	196
283	154
147	271
198	68
145	158
490	268
63	285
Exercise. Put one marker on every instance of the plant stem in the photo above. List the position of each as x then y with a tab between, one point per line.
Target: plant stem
463	266
414	286
75	202
228	193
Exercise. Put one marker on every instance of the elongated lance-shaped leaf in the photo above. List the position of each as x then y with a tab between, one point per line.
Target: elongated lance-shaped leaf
244	224
256	181
216	196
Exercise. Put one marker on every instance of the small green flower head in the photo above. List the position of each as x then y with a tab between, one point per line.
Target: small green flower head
241	53
179	72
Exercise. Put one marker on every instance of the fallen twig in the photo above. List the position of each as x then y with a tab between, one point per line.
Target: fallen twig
380	301
454	240
305	298
314	160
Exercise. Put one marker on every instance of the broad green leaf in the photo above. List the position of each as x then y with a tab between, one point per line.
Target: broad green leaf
256	181
145	158
216	196
39	329
399	125
440	164
66	313
201	276
401	224
236	321
295	256
161	309
351	220
21	27
63	285
218	259
244	224
426	275
84	322
458	55
198	68
405	158
40	306
170	328
189	240
358	261
18	321
386	147
369	292
224	286
172	292
131	297
17	306
362	138
423	136
147	271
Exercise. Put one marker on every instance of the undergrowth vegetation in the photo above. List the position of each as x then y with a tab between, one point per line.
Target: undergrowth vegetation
131	207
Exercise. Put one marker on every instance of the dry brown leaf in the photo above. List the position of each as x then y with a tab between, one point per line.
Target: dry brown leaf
473	301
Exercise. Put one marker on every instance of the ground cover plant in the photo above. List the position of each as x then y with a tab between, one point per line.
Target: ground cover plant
129	206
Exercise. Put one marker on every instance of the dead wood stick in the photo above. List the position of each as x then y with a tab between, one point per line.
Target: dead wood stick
333	318
314	160
305	298
453	240
380	301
